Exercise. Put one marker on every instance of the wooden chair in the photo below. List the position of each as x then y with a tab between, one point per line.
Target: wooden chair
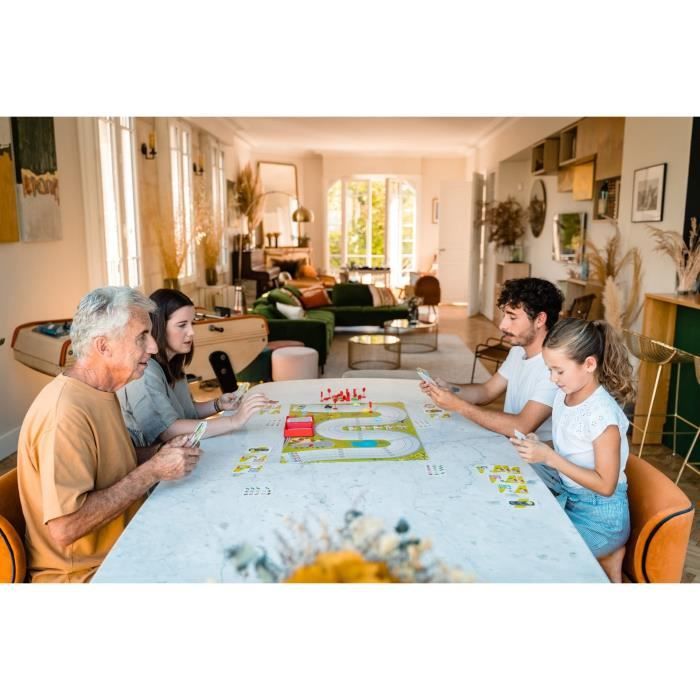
13	558
494	350
661	516
581	307
428	288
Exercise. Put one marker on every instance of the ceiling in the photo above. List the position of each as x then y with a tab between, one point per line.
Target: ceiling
406	136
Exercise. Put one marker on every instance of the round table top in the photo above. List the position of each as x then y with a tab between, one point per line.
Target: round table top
403	324
374	339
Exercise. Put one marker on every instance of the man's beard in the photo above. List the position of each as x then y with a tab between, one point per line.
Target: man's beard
523	340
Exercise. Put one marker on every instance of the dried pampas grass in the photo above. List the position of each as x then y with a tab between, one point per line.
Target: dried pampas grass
207	226
686	257
173	247
249	195
606	264
612	304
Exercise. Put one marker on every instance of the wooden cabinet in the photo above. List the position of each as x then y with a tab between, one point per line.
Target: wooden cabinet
545	156
583	179
594	137
506	271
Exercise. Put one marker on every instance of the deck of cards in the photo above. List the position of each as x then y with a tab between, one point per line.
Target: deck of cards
197	434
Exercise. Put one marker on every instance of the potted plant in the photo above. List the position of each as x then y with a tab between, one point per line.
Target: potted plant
505	222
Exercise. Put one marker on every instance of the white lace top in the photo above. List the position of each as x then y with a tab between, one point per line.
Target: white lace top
574	428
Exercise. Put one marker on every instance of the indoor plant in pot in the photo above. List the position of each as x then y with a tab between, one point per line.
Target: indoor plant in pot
505	222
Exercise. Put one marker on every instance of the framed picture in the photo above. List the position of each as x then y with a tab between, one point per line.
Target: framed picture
436	212
648	193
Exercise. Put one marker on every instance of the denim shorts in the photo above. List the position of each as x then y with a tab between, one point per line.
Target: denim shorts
602	521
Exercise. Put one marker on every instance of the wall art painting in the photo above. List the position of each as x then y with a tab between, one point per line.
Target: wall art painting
36	178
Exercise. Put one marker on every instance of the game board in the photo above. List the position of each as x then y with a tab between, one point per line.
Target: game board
355	431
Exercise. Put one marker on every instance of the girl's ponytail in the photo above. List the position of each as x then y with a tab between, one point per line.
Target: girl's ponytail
615	370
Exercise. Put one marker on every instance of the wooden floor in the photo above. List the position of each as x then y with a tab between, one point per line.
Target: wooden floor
453	319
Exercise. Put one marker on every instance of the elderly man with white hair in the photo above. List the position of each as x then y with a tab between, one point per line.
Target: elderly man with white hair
80	478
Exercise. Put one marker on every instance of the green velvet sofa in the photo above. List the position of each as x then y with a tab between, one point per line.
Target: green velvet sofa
351	306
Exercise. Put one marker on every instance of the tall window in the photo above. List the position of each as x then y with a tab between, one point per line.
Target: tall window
218	198
372	223
180	138
116	163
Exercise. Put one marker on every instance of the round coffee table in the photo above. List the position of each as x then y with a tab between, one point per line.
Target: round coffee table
421	336
374	352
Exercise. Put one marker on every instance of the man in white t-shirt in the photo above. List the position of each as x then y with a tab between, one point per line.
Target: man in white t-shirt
530	306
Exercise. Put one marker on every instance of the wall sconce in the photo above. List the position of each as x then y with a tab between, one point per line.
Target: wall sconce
198	168
149	152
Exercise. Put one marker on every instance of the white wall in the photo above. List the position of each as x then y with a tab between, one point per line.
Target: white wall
41	281
434	172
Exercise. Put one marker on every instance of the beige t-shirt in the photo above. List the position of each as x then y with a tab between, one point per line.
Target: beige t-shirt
73	440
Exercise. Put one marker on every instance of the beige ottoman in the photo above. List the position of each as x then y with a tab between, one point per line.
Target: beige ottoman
294	363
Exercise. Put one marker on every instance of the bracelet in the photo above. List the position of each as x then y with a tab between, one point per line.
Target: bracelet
217	406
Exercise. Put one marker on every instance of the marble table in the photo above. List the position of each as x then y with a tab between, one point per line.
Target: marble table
182	532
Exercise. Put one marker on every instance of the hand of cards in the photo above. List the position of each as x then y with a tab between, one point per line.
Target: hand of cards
519	435
423	374
197	434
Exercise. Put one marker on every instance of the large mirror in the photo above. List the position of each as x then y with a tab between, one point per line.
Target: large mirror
569	237
537	208
279	181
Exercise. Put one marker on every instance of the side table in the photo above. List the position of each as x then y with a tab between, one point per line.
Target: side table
374	352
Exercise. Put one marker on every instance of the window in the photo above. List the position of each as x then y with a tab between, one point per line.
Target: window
372	223
218	198
120	224
180	140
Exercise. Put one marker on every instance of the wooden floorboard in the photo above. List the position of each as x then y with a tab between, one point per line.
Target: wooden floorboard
454	320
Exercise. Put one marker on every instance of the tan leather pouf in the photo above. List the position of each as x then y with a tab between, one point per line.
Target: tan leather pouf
294	363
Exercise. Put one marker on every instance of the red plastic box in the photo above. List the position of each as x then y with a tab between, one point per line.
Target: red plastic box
299	426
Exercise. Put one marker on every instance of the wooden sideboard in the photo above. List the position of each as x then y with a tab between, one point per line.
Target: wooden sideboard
660	323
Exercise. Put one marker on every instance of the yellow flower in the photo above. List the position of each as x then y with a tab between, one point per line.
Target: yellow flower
345	566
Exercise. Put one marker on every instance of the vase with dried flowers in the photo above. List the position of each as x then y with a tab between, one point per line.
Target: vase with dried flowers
605	266
686	256
362	550
173	248
505	222
247	196
208	230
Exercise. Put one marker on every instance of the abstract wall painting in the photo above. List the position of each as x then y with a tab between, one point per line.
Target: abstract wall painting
9	224
36	178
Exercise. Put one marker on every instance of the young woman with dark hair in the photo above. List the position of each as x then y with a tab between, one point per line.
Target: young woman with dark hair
159	406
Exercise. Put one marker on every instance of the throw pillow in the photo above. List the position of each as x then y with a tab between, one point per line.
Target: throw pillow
283	296
289	311
382	296
307	270
314	297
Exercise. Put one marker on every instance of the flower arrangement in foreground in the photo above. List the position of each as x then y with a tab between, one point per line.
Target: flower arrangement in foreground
361	551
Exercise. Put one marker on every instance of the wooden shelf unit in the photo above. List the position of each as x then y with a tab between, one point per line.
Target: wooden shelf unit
545	156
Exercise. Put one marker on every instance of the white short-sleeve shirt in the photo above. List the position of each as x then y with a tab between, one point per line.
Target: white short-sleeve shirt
576	427
528	380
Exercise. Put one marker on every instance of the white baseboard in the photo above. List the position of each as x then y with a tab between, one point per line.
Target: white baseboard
8	443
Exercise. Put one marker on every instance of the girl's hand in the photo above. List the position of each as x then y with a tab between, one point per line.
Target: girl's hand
249	406
532	450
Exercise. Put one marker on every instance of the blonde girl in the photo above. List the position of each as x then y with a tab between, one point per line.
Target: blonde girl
589	364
